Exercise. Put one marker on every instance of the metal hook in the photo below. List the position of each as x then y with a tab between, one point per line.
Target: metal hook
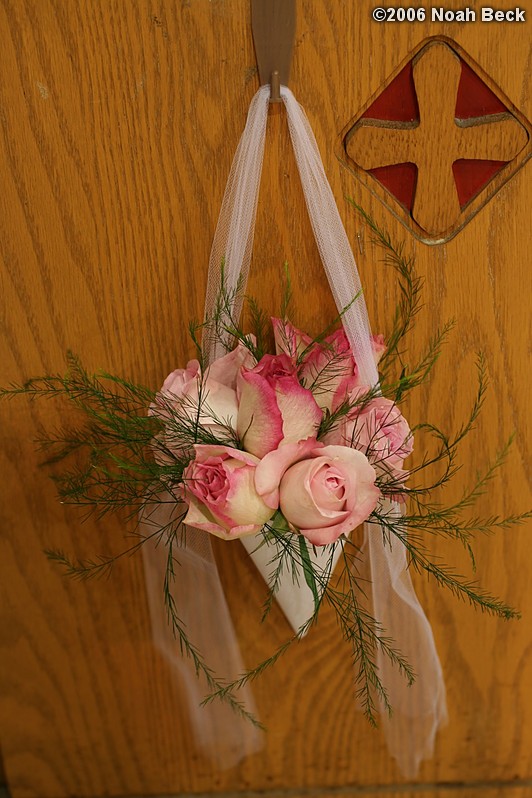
275	87
273	23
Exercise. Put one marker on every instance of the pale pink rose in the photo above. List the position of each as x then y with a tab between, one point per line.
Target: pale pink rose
323	491
219	488
288	339
273	406
178	383
184	390
328	368
226	369
380	431
181	389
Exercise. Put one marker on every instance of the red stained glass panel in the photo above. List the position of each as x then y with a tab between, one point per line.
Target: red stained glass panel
400	180
474	98
471	177
398	101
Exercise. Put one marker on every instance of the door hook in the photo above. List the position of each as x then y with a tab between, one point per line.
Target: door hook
273	24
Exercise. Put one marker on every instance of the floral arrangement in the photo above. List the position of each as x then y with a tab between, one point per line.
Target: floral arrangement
278	438
279	446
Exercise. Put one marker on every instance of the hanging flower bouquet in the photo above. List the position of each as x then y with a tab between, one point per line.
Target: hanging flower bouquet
283	444
288	442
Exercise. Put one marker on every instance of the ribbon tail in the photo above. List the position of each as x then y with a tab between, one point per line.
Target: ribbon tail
419	709
200	603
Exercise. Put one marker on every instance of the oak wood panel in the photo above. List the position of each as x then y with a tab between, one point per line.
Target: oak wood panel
119	123
421	791
503	791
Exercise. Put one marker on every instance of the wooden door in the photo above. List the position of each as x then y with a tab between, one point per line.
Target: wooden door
119	121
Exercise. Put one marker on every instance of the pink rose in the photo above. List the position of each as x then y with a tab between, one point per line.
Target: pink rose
179	383
226	369
288	339
328	368
219	488
172	400
274	407
324	491
379	430
184	390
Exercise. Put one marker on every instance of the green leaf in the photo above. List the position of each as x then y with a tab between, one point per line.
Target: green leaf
308	570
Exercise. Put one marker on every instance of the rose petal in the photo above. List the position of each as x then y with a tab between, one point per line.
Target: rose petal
327	367
243	504
204	450
271	468
218	403
299	410
288	339
297	501
179	378
328	488
225	369
196	517
259	423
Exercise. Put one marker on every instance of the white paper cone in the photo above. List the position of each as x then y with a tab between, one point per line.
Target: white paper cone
294	597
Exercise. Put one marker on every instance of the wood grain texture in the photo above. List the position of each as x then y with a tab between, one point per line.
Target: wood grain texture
119	121
504	791
419	791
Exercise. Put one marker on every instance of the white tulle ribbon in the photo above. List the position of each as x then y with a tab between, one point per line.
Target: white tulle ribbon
219	733
233	239
418	710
